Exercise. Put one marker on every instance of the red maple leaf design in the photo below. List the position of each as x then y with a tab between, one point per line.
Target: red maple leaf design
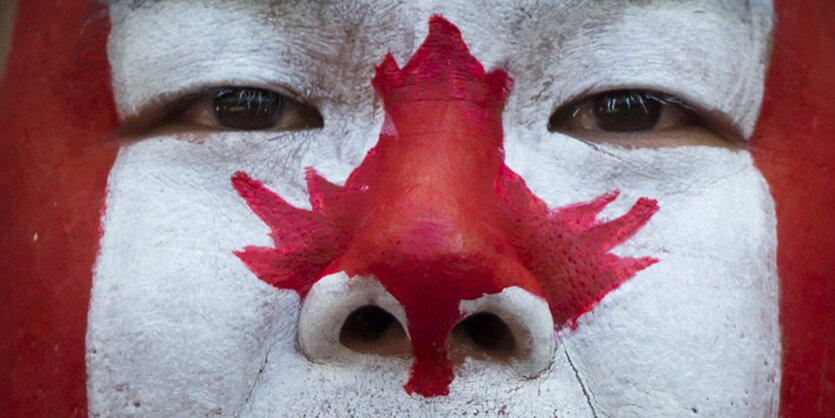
437	217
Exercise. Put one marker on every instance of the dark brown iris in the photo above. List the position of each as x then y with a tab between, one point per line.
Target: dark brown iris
248	108
626	110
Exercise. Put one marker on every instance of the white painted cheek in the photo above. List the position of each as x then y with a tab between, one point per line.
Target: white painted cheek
177	322
697	331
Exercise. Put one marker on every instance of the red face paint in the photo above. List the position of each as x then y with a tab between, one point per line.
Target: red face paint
56	116
437	217
794	148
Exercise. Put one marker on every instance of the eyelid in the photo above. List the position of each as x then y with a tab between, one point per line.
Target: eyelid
163	107
711	118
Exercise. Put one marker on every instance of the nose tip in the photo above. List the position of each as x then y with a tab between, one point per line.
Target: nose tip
344	319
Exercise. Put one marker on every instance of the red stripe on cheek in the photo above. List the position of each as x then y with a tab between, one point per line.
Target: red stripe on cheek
794	147
56	113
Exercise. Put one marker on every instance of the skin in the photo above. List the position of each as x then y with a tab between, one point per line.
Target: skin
178	323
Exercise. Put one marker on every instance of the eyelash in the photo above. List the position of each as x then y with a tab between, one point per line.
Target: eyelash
613	103
643	118
199	110
248	109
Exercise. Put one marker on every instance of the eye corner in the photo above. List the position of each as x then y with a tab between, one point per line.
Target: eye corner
562	115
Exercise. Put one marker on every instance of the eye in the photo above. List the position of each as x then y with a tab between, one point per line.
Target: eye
247	109
223	108
638	118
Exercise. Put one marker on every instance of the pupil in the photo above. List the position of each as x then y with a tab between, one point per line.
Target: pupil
248	108
626	111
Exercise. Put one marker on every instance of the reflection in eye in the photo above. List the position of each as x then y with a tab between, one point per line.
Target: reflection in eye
248	109
642	117
626	111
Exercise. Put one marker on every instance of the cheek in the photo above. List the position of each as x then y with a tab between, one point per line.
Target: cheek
177	322
699	328
171	306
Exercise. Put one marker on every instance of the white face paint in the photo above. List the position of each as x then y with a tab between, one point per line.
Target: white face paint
178	324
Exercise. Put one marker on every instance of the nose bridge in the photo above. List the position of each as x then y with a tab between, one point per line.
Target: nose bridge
443	172
435	201
438	157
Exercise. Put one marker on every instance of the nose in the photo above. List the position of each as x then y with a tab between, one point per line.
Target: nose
433	247
345	318
433	232
420	250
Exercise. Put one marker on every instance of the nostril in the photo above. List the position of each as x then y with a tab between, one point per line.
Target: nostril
513	327
343	316
366	324
373	330
488	333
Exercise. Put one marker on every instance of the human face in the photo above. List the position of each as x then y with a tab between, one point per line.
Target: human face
179	322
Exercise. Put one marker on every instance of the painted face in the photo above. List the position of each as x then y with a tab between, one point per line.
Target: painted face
423	208
460	246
